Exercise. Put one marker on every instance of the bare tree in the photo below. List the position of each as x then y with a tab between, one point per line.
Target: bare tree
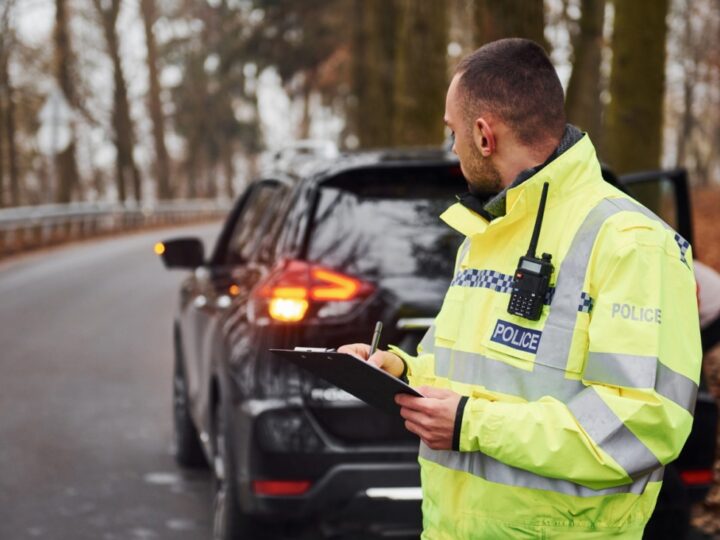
4	53
420	72
126	168
694	50
2	154
65	162
509	18
374	71
634	116
8	97
162	165
583	104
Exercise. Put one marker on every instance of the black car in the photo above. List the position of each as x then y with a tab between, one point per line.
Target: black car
310	256
314	254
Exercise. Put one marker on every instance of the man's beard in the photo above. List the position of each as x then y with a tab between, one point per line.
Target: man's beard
481	175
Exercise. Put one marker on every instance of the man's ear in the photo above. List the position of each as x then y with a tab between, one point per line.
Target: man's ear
483	137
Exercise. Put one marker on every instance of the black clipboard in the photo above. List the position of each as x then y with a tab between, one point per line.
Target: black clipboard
364	381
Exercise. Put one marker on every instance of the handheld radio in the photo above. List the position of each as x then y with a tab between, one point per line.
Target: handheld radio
532	277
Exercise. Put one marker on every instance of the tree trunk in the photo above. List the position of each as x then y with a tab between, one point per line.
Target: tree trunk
162	162
191	170
374	71
509	18
420	73
633	134
687	122
2	148
4	54
65	162
10	132
228	170
127	171
7	100
582	104
307	91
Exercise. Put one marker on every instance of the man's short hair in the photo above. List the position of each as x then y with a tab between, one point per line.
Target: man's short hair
515	80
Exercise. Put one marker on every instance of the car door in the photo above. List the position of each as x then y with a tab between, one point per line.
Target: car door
210	291
234	270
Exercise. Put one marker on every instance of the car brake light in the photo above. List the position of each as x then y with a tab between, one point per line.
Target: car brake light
697	477
288	309
294	285
334	286
280	487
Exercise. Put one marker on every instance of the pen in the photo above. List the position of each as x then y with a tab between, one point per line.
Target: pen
376	338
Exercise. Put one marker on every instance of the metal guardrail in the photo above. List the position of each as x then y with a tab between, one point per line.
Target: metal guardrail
28	227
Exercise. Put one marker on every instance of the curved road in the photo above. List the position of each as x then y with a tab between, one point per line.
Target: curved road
85	396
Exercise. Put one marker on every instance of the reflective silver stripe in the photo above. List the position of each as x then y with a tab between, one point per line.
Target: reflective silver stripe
609	433
641	372
621	370
427	343
632	206
462	251
554	347
676	387
497	376
492	470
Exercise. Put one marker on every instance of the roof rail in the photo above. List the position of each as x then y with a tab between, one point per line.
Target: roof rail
304	149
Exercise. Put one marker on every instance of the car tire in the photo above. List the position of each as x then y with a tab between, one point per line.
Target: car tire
187	447
229	522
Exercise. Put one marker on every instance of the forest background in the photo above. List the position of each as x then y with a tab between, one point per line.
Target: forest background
170	99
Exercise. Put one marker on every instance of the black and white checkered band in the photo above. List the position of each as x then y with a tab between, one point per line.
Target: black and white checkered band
503	283
586	303
684	245
488	279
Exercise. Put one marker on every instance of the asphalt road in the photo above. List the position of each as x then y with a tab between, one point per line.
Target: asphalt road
85	396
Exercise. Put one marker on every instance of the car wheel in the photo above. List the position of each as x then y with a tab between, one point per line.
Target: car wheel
188	450
229	523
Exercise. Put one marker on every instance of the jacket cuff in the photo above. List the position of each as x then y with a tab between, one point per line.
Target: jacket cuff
458	423
406	366
403	375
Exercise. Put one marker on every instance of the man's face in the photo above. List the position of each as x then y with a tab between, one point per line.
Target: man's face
480	172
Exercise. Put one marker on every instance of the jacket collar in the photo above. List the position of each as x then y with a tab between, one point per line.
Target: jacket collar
496	206
570	171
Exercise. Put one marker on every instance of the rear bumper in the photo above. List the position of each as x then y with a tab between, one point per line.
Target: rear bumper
350	487
368	487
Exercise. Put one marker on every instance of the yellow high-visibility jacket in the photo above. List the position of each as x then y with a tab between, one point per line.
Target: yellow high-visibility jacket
567	421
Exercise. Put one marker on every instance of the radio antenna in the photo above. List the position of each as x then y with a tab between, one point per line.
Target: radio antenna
538	222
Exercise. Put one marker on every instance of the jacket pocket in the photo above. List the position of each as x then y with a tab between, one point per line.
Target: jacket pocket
513	339
448	321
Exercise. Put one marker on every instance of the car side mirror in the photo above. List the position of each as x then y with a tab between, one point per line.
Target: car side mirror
185	253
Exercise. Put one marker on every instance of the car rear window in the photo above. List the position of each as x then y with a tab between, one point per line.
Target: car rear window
385	222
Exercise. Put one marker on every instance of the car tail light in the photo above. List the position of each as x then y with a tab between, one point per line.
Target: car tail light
280	487
697	477
294	287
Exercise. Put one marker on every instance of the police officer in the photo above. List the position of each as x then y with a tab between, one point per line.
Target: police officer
552	422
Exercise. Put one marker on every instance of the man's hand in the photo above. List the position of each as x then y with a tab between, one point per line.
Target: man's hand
385	360
432	418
